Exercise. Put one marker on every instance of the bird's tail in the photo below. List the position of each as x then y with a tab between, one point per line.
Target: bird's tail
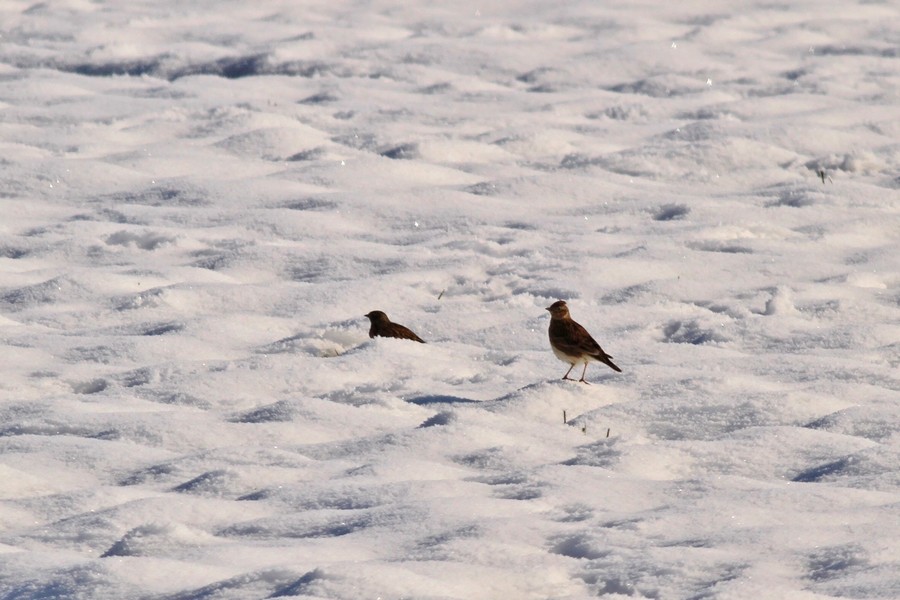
606	359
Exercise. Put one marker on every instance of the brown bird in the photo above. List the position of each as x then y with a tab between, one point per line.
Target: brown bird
383	327
572	343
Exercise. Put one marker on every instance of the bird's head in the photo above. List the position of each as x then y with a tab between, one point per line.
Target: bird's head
558	310
376	316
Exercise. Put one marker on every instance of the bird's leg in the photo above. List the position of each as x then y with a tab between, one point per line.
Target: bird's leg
566	376
582	380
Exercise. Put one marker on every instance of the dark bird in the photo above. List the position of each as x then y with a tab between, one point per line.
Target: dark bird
383	327
572	343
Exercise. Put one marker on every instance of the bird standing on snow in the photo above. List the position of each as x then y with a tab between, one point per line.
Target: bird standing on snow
382	326
572	343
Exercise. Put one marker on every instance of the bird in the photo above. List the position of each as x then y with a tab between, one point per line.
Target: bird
383	327
572	343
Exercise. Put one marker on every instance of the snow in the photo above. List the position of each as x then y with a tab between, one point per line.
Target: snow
201	201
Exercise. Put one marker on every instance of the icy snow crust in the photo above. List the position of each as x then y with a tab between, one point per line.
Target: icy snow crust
201	200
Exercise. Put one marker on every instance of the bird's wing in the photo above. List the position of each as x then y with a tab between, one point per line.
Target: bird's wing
578	341
573	339
399	331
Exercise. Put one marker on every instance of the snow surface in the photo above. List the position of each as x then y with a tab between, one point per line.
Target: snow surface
201	200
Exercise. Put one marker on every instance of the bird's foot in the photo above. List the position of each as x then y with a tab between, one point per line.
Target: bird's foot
585	382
